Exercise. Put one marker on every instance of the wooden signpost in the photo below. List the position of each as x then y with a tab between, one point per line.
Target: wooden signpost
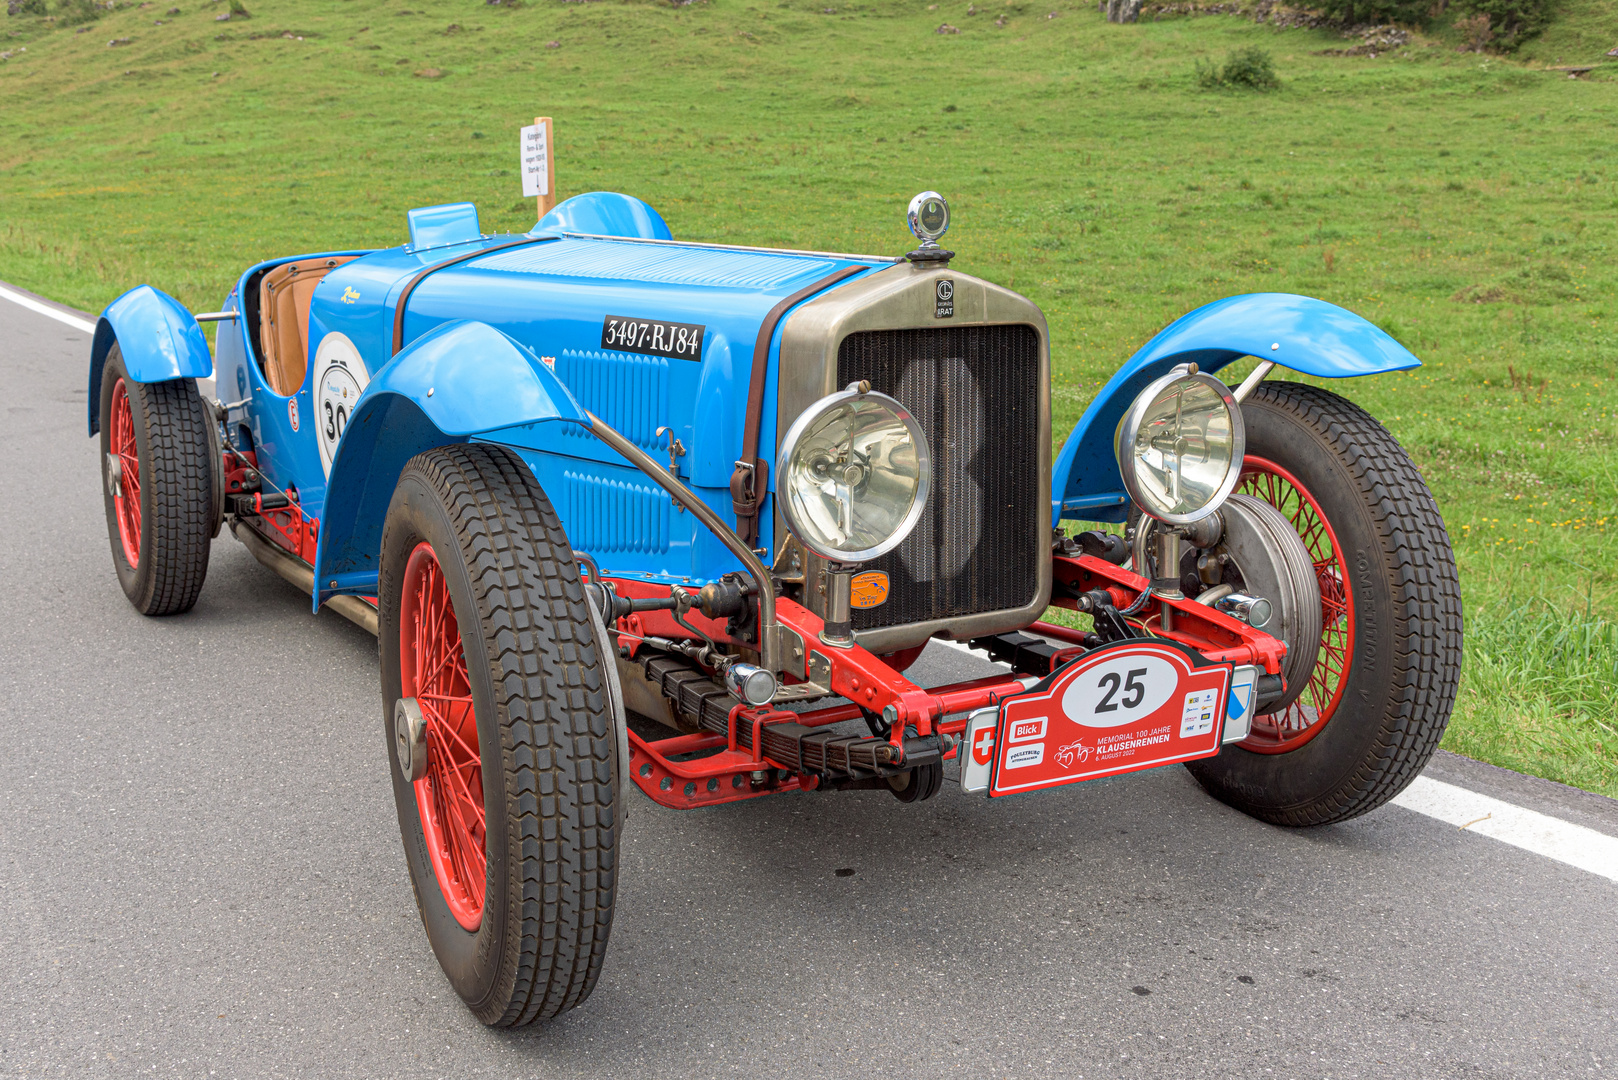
539	164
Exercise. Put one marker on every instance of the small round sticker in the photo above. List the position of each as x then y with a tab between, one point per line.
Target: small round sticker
292	412
340	379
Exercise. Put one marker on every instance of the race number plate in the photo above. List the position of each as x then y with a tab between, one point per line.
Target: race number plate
1127	706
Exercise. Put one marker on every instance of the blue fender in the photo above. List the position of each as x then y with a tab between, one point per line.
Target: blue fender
1297	332
159	340
604	213
459	381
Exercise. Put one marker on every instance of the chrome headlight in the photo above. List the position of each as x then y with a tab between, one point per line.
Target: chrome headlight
1180	446
853	475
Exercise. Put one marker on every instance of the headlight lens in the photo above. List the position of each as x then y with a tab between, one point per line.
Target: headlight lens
853	475
1180	446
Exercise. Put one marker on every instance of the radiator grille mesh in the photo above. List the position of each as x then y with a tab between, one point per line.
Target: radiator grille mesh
975	392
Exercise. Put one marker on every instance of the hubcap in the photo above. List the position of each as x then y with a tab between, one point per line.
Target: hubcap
410	739
123	472
449	796
1306	717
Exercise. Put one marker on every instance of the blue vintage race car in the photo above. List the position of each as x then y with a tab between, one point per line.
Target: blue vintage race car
624	509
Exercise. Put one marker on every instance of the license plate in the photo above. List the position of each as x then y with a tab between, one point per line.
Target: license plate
1127	706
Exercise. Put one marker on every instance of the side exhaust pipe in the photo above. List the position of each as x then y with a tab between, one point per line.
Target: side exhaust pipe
302	575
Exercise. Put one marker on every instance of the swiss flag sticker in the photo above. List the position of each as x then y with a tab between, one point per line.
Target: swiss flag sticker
983	746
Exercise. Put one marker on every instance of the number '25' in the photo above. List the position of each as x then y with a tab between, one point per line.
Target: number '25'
1134	690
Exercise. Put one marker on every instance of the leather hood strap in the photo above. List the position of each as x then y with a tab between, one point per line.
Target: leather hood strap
404	296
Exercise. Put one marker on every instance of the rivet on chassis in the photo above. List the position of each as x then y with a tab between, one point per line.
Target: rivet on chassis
410	738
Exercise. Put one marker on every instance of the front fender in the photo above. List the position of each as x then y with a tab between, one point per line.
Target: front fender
1297	332
461	380
159	340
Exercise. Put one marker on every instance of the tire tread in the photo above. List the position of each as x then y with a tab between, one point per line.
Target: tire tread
558	743
1420	564
177	488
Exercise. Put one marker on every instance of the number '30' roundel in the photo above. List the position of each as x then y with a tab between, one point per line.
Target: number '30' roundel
1120	691
340	377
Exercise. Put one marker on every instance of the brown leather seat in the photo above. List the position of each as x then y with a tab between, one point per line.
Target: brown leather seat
284	295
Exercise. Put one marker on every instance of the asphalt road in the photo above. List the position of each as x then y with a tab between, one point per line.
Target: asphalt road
200	874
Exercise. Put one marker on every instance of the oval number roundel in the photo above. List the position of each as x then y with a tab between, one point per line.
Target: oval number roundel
340	378
1120	691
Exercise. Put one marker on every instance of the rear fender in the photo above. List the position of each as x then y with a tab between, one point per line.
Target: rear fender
159	340
1297	332
458	382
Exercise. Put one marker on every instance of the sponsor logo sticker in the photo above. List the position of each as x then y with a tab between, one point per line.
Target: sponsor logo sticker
1197	718
292	412
870	589
1025	730
1020	757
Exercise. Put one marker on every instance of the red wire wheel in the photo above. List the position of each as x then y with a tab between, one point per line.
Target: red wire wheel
1307	716
126	496
432	669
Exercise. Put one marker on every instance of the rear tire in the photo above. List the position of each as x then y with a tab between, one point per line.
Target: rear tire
527	723
1390	659
157	480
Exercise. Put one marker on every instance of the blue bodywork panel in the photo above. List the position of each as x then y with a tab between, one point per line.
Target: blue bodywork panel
510	339
459	380
288	457
158	338
551	298
1313	337
604	213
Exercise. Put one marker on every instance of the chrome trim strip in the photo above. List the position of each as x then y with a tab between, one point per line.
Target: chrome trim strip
736	247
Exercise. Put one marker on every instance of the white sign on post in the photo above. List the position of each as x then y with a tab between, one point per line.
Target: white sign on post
535	163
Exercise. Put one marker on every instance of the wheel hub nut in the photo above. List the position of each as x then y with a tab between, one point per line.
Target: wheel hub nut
115	475
410	738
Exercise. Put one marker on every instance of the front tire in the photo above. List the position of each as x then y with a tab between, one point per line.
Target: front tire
157	480
511	836
1385	681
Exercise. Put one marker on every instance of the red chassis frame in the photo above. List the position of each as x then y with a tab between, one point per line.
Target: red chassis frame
287	527
727	771
863	678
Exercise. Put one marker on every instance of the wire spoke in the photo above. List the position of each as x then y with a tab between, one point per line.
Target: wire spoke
1297	722
451	795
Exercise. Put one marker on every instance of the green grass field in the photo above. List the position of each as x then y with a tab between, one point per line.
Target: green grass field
1466	203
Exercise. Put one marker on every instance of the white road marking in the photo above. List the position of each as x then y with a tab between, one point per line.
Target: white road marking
45	309
1530	830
